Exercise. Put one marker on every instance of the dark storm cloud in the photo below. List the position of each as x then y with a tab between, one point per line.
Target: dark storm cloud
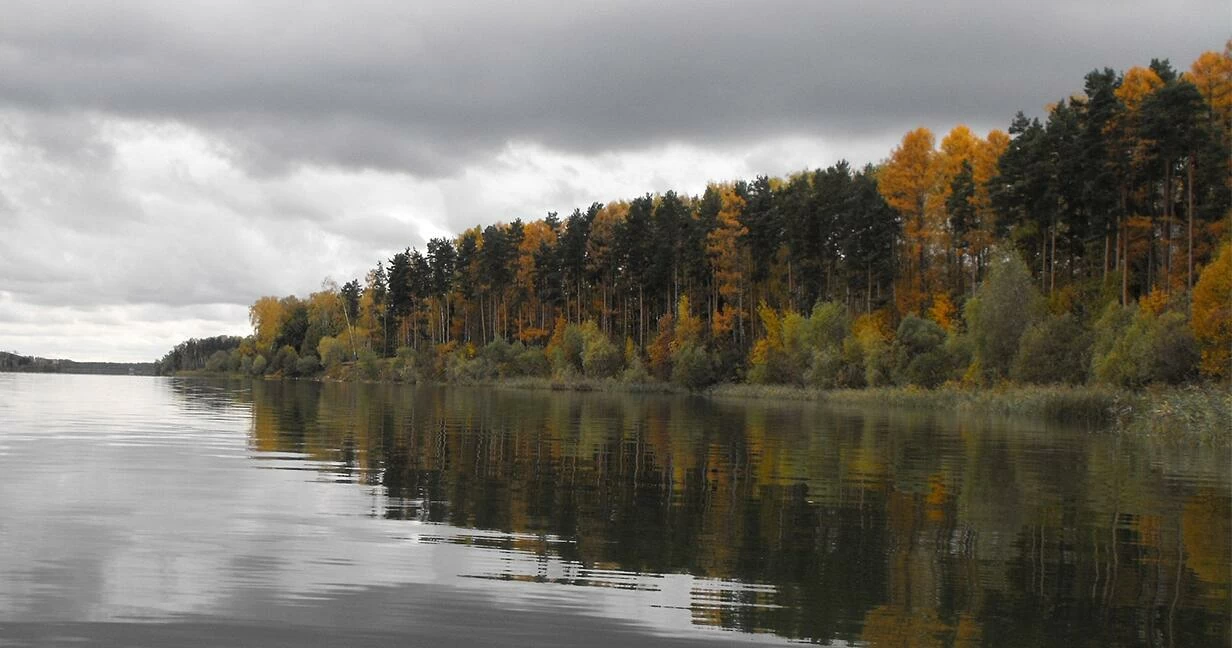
426	90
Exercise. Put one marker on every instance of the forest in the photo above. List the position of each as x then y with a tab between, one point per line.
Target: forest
1090	246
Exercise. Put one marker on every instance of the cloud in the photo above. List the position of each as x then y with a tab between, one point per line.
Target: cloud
167	157
430	89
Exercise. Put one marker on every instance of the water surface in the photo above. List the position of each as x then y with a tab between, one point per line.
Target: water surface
145	511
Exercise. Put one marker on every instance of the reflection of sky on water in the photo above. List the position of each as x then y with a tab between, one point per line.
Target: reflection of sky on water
120	500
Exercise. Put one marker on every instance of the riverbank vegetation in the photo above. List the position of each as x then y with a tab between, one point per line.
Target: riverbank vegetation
1089	249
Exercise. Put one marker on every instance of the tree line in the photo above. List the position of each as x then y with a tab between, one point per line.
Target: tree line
1104	220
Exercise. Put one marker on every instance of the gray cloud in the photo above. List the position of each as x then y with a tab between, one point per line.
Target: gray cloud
162	160
429	89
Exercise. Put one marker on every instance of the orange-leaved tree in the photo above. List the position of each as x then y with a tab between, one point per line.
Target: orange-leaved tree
905	182
1212	315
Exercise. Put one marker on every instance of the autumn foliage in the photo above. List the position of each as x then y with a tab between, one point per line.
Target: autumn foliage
960	257
1212	315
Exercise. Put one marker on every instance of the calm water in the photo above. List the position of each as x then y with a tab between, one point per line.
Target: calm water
141	511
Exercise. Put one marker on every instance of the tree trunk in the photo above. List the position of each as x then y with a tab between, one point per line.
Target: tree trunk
1052	260
1106	242
868	288
1043	261
1189	213
1123	237
1168	227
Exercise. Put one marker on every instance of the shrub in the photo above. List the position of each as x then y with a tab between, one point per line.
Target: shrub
1135	347
878	362
770	361
660	350
929	369
468	370
369	365
828	325
692	367
635	372
1004	306
852	370
332	351
496	359
258	365
919	353
532	361
565	349
824	368
285	360
217	361
234	360
962	355
600	358
1109	328
308	365
1053	350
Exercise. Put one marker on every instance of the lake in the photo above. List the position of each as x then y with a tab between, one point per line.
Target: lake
156	511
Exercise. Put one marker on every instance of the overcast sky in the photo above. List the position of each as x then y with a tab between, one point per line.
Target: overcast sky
163	165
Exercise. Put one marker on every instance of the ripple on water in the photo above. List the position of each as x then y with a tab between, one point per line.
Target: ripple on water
363	504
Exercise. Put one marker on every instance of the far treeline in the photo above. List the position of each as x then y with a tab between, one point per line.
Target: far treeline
1090	247
31	364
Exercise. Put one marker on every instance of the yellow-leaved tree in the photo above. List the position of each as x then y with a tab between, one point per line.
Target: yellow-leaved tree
725	249
688	326
267	316
1212	314
1211	73
905	182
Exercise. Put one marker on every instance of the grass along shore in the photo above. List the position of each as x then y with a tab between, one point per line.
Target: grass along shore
1199	414
1195	413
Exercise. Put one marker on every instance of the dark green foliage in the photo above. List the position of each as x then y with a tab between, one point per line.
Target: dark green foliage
878	365
441	259
217	361
193	354
960	206
414	365
1002	309
308	365
764	223
294	329
351	292
1135	348
285	360
566	357
1054	350
841	367
496	360
920	357
831	357
532	361
692	367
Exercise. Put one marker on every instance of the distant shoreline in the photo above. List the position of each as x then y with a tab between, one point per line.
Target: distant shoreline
14	363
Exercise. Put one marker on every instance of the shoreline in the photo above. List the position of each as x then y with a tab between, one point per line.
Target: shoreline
1197	414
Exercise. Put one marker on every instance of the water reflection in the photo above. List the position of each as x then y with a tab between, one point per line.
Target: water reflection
420	511
797	520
